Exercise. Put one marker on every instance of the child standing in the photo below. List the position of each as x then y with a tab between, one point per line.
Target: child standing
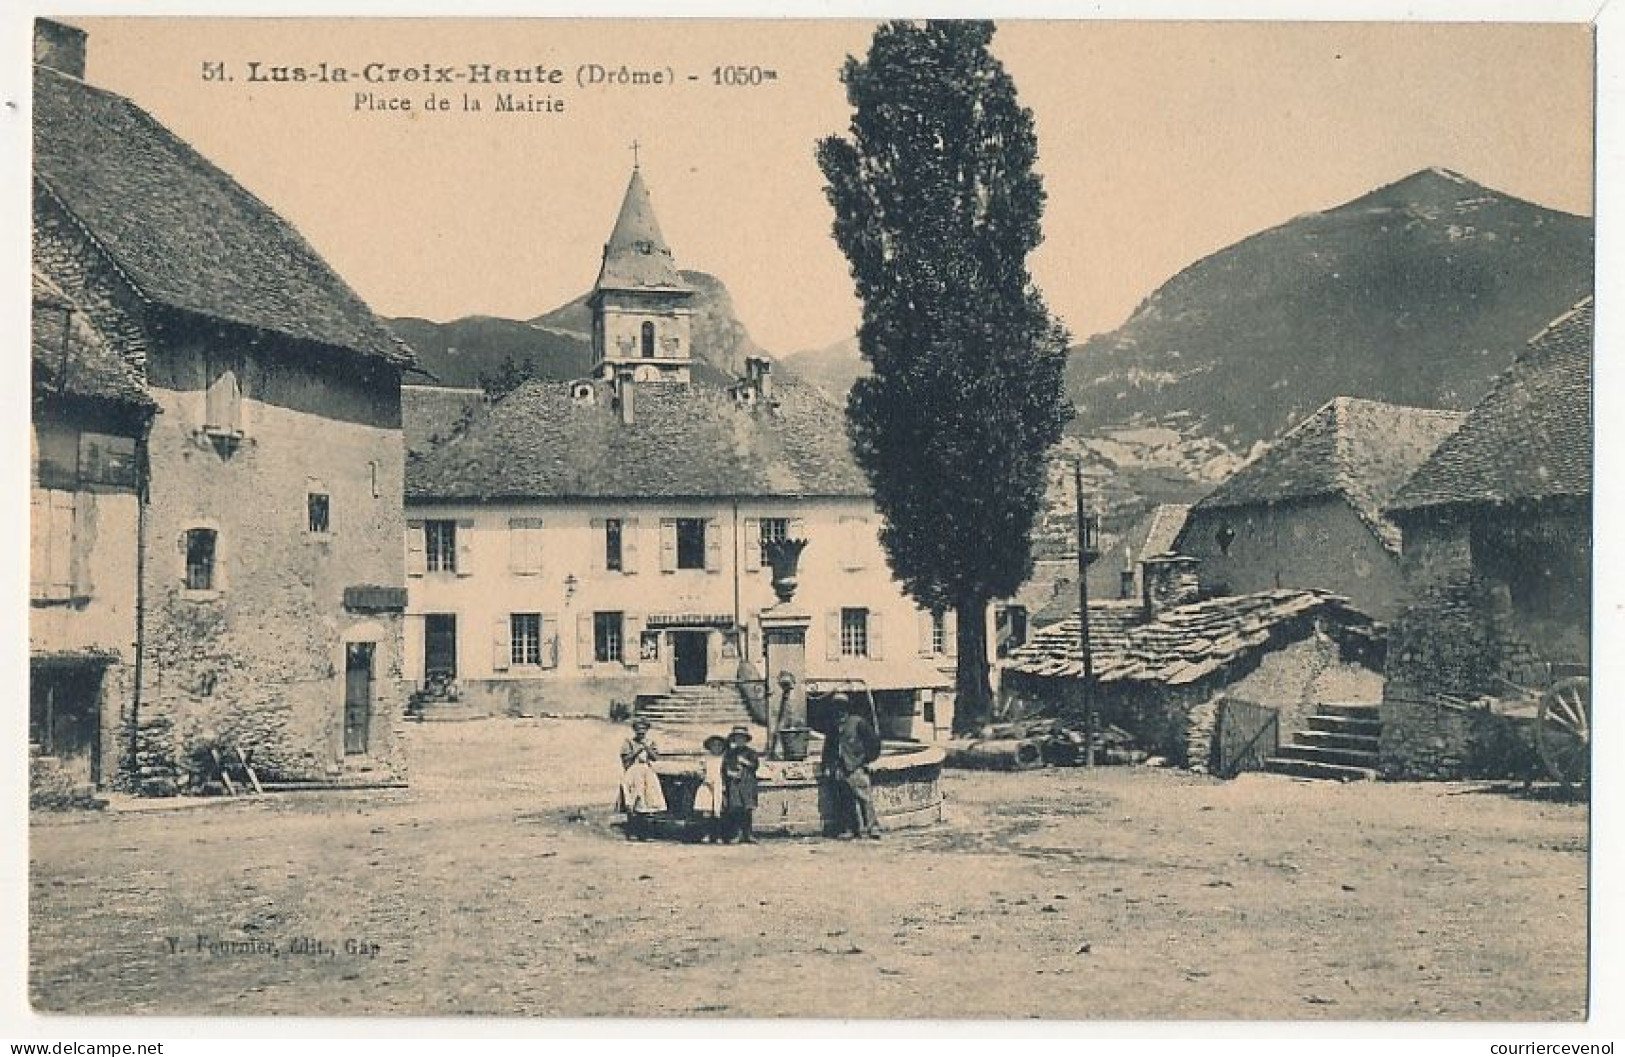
739	766
708	797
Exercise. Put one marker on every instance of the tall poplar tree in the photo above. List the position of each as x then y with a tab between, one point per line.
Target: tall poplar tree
936	208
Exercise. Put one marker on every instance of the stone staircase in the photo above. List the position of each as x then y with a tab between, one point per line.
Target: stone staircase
717	706
1340	745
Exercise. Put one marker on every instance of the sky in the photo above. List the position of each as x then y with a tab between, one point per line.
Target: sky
1159	143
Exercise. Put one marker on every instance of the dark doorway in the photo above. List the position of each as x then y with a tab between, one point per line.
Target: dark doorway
64	713
439	646
357	697
689	656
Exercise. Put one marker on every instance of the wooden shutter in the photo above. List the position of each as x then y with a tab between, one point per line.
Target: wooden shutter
550	640
753	543
629	545
39	544
631	639
668	544
465	546
62	548
832	635
84	528
926	624
950	633
525	546
223	410
415	561
877	624
501	643
584	640
713	545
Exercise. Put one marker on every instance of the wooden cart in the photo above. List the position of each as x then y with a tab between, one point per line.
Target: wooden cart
1560	716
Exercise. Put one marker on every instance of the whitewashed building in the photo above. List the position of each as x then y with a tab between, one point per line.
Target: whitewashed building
578	544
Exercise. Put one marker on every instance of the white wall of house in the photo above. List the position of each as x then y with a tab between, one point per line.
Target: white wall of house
551	559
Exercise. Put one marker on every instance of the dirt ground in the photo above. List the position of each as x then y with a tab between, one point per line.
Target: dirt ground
498	884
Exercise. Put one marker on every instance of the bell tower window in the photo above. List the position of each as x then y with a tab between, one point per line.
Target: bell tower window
648	341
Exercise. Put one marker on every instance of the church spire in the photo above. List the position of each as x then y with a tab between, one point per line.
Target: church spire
636	256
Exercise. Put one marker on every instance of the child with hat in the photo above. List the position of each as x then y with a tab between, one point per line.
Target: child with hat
708	798
739	766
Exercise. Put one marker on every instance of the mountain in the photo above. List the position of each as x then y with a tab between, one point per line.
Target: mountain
832	368
558	344
1417	293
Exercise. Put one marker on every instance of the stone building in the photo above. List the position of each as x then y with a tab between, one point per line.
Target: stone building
579	544
91	413
267	607
1497	529
1164	662
1308	513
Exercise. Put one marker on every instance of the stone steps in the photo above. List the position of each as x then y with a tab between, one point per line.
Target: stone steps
1340	745
713	705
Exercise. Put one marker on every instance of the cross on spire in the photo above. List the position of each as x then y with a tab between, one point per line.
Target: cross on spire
635	146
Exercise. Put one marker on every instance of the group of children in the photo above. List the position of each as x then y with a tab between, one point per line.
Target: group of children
724	803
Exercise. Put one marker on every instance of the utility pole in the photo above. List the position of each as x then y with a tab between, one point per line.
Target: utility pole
1088	551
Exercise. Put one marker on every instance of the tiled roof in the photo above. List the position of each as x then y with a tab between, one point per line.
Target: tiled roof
430	414
186	235
1363	450
71	358
1530	438
636	256
1183	645
684	441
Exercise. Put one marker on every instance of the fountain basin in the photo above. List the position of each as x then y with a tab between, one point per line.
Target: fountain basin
793	802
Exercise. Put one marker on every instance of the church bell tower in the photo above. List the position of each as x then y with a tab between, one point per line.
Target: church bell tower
641	309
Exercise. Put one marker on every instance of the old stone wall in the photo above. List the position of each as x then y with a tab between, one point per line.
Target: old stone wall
1466	635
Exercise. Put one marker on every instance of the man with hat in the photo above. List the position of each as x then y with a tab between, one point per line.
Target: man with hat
641	796
739	766
848	752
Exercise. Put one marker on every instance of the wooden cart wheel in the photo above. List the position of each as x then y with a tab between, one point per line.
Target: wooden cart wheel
1563	730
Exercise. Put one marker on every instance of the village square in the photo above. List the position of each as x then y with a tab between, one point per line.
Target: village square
606	664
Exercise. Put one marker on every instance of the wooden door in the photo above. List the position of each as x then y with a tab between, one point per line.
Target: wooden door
440	645
690	663
357	697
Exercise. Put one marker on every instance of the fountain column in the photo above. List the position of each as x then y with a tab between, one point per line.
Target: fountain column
784	638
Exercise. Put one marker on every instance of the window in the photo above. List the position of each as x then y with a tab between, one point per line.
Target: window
854	633
612	544
200	554
772	529
524	546
939	632
690	543
440	546
525	636
222	412
648	341
317	509
106	459
607	644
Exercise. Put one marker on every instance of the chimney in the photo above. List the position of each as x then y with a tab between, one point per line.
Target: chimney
60	47
1168	580
626	397
763	377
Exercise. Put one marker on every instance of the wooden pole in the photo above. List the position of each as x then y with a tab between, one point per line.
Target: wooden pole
1083	620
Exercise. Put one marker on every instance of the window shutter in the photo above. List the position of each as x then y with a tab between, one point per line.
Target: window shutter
950	633
668	544
525	545
713	546
550	640
584	639
83	529
39	544
877	622
925	625
62	548
465	546
753	544
629	545
832	635
501	643
415	561
224	401
631	639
